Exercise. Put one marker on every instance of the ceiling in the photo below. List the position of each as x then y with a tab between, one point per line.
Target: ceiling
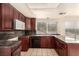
47	10
44	10
54	10
42	5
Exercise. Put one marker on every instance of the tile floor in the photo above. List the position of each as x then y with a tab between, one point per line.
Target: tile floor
39	52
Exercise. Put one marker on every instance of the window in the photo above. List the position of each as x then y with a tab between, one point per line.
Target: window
52	28
41	27
72	30
45	27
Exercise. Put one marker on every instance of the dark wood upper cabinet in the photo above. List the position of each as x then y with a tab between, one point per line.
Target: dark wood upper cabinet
33	23
15	14
21	17
30	23
7	14
18	15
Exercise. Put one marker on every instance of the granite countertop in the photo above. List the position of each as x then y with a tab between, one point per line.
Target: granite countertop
8	44
44	34
67	39
61	37
5	37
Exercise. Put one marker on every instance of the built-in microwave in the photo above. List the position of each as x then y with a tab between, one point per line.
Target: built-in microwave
19	25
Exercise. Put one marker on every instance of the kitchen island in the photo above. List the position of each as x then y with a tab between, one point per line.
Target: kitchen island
64	46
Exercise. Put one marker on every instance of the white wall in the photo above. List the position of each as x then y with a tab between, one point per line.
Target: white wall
61	28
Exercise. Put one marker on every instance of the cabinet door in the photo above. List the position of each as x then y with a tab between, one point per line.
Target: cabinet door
64	49
61	47
57	48
33	22
48	42
7	16
28	24
53	42
19	16
15	14
25	43
22	17
43	42
11	16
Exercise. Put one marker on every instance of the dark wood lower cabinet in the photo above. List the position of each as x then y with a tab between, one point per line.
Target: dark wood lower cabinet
47	42
17	52
25	43
66	49
73	49
42	42
61	47
34	42
12	50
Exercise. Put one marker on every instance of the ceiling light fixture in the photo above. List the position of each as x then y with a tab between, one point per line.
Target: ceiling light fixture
62	13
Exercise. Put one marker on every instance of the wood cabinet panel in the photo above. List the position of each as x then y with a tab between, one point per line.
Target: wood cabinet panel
61	47
53	42
47	42
33	23
11	50
73	49
30	23
21	17
43	42
66	49
25	43
0	16
7	14
15	14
